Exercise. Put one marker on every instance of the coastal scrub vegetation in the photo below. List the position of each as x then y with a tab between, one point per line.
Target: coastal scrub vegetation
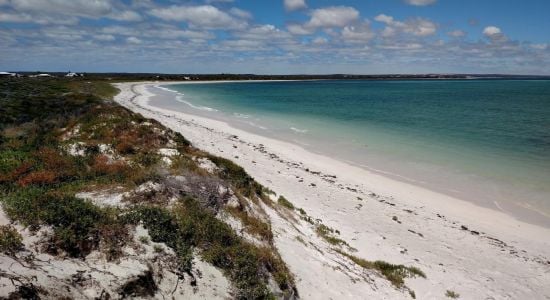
452	294
60	137
284	202
395	274
10	240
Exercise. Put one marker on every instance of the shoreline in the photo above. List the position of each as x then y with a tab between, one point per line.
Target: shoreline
336	188
474	193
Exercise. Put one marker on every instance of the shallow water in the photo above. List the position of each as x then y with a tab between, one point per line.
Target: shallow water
486	141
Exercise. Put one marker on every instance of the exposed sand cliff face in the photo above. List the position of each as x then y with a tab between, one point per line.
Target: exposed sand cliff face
95	277
474	251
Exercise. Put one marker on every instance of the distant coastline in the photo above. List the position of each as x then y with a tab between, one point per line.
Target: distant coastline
116	76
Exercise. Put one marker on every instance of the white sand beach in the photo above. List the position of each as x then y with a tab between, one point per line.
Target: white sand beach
474	251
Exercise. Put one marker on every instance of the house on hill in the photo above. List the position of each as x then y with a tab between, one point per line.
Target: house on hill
41	75
8	74
72	74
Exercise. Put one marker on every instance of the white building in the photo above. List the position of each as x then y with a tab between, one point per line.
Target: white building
41	75
8	74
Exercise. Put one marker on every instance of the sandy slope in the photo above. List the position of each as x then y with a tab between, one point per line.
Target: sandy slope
474	251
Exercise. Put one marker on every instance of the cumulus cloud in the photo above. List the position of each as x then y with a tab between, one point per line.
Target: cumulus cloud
104	37
456	33
263	32
358	33
157	31
494	34
81	8
202	16
220	1
420	2
126	15
319	41
327	18
539	46
491	30
335	16
240	13
15	17
299	29
292	5
133	40
416	26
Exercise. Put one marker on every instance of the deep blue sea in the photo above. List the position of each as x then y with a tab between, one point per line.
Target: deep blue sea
482	139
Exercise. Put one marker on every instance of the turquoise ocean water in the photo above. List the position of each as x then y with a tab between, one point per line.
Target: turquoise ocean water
486	141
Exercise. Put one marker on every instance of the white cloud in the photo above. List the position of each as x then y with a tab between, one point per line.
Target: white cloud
157	31
203	16
491	30
63	33
104	37
43	20
240	13
263	32
133	40
142	4
384	19
335	16
243	45
320	41
539	46
220	1
406	46
291	5
358	33
82	8
126	15
456	33
494	34
418	26
420	2
299	29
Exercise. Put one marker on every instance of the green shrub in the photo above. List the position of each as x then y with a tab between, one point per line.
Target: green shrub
237	176
452	294
284	202
75	222
395	274
191	226
10	240
327	234
144	239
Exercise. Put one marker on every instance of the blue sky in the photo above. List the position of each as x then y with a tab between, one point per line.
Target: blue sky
276	36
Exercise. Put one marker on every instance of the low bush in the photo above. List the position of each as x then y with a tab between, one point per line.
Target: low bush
190	226
284	202
243	182
42	177
395	274
252	224
452	294
327	234
10	240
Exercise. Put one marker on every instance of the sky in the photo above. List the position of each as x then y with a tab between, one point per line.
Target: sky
276	36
